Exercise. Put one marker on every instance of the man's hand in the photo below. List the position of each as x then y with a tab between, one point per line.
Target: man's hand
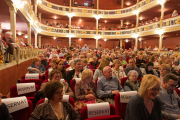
115	92
90	97
0	99
35	70
88	92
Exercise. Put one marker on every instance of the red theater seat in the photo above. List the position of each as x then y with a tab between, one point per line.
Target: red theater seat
48	67
66	66
111	117
72	85
23	77
84	114
123	80
37	82
23	114
14	93
177	91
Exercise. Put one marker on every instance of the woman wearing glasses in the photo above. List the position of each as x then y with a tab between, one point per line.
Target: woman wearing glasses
145	105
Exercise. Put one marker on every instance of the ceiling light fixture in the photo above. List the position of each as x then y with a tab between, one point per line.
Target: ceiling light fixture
105	21
140	39
55	17
19	33
79	39
8	27
54	38
127	3
105	39
126	40
140	18
26	36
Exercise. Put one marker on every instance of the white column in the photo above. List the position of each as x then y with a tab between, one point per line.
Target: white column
70	24
160	42
39	15
137	20
69	41
137	1
162	11
121	23
120	43
122	4
29	33
35	38
96	43
70	6
35	7
141	43
39	37
98	4
13	11
96	26
136	43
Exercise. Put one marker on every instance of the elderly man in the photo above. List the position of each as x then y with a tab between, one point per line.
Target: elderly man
43	61
62	53
85	48
169	99
132	66
108	86
123	62
98	55
164	69
8	38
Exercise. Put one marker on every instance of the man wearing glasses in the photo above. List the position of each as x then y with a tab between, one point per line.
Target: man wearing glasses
168	98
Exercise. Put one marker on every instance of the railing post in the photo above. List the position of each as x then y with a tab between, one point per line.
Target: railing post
39	15
35	38
35	7
39	41
122	4
96	42
29	33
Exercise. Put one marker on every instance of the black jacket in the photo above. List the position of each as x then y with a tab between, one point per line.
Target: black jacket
70	75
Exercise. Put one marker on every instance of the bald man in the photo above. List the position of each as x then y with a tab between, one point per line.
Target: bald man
108	86
8	38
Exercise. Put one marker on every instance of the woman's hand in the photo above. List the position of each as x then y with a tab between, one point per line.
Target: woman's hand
89	92
35	70
90	97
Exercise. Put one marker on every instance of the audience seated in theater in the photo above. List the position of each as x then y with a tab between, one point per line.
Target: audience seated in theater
85	64
62	53
37	67
8	38
108	86
176	67
94	63
74	55
20	42
145	105
99	71
175	13
168	98
149	69
85	90
117	70
85	48
82	27
61	68
43	61
98	55
149	48
54	53
76	72
156	48
112	57
132	66
56	75
141	48
67	58
145	48
141	62
54	108
164	69
176	48
89	57
52	63
132	84
162	60
71	67
132	26
164	48
4	112
154	59
123	62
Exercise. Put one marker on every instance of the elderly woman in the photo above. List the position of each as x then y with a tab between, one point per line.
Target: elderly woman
54	53
85	89
161	61
61	68
54	108
52	63
145	105
140	61
76	72
117	70
164	69
56	75
37	67
149	69
132	84
94	63
85	63
99	70
71	67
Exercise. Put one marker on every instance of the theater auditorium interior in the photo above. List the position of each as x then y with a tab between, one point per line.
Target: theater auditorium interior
89	59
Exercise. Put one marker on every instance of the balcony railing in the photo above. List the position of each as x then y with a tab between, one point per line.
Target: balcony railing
20	54
95	11
171	22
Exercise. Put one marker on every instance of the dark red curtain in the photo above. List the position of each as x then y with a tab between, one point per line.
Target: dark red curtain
127	45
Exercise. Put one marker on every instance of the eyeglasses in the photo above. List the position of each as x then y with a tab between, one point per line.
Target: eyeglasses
59	92
172	85
57	77
155	89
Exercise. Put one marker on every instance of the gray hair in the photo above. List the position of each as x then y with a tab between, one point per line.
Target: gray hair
54	55
8	33
89	54
76	60
41	54
71	61
132	71
95	57
105	68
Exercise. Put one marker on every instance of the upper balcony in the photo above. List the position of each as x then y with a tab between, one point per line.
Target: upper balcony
83	12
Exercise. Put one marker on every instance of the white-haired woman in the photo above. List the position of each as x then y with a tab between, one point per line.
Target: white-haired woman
132	84
71	67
